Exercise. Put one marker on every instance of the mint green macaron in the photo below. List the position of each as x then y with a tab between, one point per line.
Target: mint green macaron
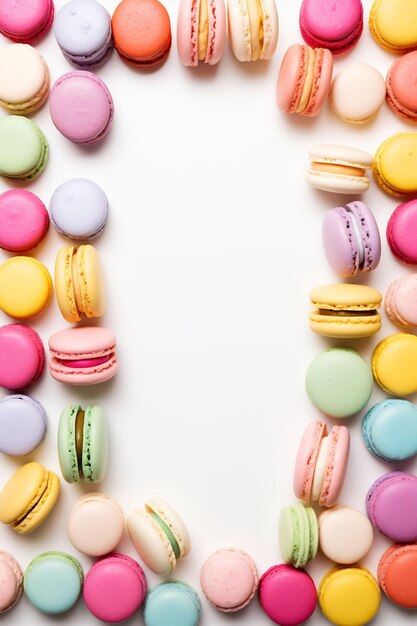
298	534
339	382
83	444
23	148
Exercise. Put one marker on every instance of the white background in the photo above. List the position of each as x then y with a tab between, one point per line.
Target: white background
213	243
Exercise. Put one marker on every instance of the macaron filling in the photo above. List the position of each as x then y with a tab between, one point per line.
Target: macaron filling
86	363
320	469
79	439
358	239
203	30
308	82
340	169
168	533
256	19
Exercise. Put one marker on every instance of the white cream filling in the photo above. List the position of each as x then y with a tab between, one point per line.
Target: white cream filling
320	469
359	241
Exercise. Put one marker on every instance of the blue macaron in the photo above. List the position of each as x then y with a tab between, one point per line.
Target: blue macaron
23	424
53	582
389	430
79	209
172	603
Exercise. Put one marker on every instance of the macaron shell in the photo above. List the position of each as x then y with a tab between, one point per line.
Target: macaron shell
306	459
337	27
322	79
23	425
151	543
401	93
336	466
23	148
95	524
291	78
390	430
401	301
270	28
368	229
391	504
394	364
95	445
174	603
67	452
402	230
357	93
26	20
91	281
82	27
24	79
64	288
42	508
22	492
11	581
397	571
28	353
26	287
393	24
395	168
82	342
337	183
353	526
24	220
217	31
239	29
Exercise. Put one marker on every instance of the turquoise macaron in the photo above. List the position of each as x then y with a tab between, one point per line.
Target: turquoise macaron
389	430
298	534
339	382
172	603
83	444
53	582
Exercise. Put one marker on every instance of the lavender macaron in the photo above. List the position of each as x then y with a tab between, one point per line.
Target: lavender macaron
79	209
23	425
391	505
83	32
351	239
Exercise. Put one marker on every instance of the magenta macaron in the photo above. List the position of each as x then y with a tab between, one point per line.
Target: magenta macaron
81	107
351	239
333	25
191	49
391	505
24	220
114	588
287	595
22	356
25	21
402	232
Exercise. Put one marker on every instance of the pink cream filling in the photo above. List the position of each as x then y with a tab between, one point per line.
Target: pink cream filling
83	363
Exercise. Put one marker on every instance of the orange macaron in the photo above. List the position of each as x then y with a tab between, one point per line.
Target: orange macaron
397	572
142	32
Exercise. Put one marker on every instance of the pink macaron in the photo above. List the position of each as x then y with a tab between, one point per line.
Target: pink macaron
25	21
402	232
83	355
401	91
401	301
22	356
229	579
333	25
197	39
11	581
304	80
114	588
24	220
287	595
321	463
81	107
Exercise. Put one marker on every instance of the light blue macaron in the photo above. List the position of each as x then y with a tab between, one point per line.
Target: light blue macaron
389	430
172	603
53	582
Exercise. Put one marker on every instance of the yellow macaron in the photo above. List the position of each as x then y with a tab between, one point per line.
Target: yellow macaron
395	164
349	596
394	364
393	24
25	287
79	283
345	310
28	497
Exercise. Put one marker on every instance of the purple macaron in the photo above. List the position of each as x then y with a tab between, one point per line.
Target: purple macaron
391	504
23	424
351	239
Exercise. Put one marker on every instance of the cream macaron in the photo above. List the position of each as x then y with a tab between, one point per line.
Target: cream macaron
339	169
24	79
357	93
253	28
159	536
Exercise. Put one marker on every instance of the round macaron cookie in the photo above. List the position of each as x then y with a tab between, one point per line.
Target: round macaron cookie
393	24
79	209
287	595
402	232
391	505
24	79
395	166
349	596
82	30
95	524
28	497
142	32
253	29
397	572
22	356
23	425
85	355
298	534
401	301
304	80
339	382
394	364
353	526
401	91
26	21
11	577
229	579
53	582
24	220
23	148
174	603
351	239
201	31
339	169
357	93
83	444
159	535
333	25
389	430
320	468
81	107
25	287
114	588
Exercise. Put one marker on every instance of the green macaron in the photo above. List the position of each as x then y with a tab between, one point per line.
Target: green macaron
23	148
83	444
298	534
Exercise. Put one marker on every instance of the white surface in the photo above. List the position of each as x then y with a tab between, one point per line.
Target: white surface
212	247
